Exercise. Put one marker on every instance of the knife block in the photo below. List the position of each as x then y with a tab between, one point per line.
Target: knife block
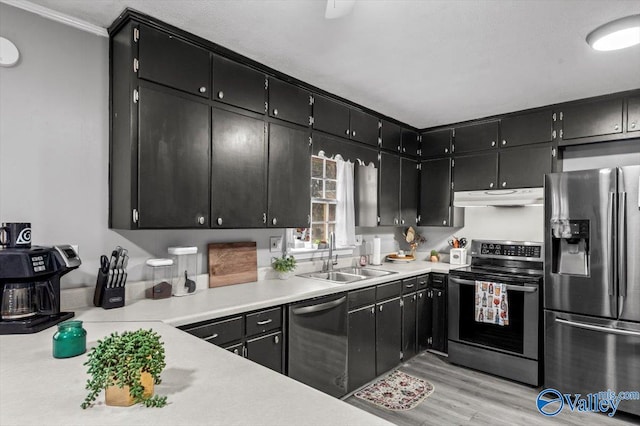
107	298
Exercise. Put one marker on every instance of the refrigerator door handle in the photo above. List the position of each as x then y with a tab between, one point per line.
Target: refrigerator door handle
611	232
593	327
622	243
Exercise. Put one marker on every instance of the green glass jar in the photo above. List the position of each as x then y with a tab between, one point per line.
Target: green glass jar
70	339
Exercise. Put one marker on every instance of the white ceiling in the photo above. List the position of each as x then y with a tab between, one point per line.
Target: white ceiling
425	63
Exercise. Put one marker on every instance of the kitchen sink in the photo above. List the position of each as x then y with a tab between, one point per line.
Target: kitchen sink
335	276
367	272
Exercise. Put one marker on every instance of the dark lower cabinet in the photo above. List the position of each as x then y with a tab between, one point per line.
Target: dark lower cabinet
389	186
435	193
596	118
166	59
409	331
173	161
266	350
388	335
289	176
476	171
424	319
524	167
438	293
362	347
238	171
238	85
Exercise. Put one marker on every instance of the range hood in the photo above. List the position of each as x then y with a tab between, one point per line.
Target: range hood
499	197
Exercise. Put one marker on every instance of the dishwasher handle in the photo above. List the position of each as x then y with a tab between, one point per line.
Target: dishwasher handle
319	308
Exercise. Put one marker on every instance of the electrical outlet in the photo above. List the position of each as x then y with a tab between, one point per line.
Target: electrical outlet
275	244
358	240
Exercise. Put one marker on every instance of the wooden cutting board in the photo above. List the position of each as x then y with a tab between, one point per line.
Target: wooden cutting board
232	263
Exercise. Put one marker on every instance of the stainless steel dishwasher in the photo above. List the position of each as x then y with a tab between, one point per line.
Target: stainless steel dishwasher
318	343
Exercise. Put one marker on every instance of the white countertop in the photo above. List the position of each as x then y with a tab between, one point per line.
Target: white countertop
205	384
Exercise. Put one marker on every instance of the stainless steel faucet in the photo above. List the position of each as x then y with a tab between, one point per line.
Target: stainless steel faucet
330	262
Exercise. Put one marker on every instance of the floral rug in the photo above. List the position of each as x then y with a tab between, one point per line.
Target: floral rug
396	392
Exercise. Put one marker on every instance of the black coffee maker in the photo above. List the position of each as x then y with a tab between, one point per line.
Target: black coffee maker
30	287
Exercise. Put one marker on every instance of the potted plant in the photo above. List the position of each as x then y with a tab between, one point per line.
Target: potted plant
126	366
435	256
284	266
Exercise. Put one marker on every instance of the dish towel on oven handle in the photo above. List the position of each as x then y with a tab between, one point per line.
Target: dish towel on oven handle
492	304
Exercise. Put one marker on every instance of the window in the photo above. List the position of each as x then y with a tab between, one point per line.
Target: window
323	199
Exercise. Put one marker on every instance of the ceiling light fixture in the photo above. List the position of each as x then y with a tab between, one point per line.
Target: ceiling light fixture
614	35
338	8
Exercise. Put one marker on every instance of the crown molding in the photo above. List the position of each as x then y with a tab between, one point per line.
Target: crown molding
57	16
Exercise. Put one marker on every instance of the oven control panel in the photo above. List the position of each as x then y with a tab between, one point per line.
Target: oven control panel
508	249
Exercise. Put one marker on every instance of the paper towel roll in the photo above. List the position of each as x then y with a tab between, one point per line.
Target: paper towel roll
375	258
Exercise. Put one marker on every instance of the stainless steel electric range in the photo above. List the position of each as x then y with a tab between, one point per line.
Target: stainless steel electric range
505	338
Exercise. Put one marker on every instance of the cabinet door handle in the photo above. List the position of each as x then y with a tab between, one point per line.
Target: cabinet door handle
402	221
203	89
353	133
504	184
265	321
444	222
201	220
275	111
420	295
264	218
380	308
220	94
236	351
414	298
491	185
276	339
244	351
346	132
395	220
213	336
409	285
616	127
274	221
504	142
493	143
219	221
373	310
446	150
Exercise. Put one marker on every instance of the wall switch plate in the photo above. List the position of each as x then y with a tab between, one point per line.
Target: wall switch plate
358	240
275	244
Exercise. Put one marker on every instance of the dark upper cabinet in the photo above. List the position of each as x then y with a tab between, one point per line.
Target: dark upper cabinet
389	185
436	143
388	339
238	85
410	142
409	334
597	118
424	319
391	136
435	192
167	60
474	172
289	192
361	347
409	177
267	351
288	102
348	150
633	114
330	116
524	167
476	137
238	171
173	161
364	127
536	127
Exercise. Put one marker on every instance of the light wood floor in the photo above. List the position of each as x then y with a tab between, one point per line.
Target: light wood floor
467	397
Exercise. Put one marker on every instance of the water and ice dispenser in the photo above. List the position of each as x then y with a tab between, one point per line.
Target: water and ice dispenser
570	244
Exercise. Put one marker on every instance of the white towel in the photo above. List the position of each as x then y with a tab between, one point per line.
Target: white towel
492	305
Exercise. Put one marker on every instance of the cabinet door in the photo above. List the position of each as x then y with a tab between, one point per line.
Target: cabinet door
474	172
410	144
536	127
391	135
364	127
362	347
173	163
591	119
330	116
409	192
435	192
633	115
476	137
424	319
238	171
348	150
288	102
289	194
439	340
388	337
238	85
168	60
389	200
266	351
436	143
524	168
409	333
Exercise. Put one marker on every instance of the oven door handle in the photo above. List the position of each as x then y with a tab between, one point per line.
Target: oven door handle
521	288
594	327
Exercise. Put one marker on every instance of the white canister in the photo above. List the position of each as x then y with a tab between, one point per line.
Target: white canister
458	256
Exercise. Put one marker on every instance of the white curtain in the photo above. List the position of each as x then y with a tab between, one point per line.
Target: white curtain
345	211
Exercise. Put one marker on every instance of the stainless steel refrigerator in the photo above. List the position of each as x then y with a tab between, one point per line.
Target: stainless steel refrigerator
592	282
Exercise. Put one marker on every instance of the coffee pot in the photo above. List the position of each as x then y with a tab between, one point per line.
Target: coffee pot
23	300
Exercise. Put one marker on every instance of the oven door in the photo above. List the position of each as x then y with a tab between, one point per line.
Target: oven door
520	337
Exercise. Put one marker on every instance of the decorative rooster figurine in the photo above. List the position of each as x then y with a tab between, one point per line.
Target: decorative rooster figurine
414	239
